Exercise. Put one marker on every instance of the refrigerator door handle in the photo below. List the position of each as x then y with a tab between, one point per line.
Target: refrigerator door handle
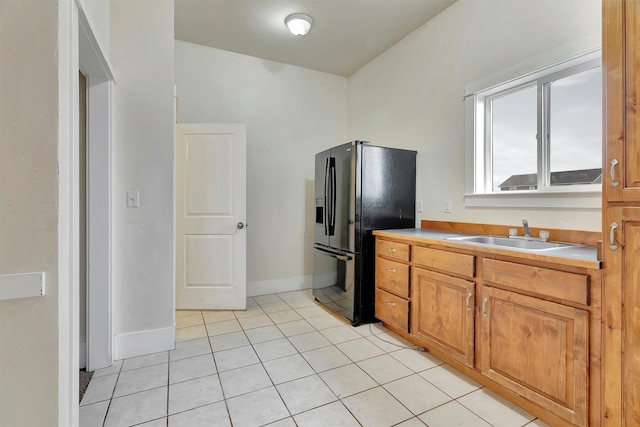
333	254
332	174
325	219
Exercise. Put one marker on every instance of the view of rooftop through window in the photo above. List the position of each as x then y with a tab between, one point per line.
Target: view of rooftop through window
573	153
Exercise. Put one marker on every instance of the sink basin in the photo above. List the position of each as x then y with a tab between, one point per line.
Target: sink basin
532	245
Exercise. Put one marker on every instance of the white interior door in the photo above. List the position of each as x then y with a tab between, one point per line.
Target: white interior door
210	216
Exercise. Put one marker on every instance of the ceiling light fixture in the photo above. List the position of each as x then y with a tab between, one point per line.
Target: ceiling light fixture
299	24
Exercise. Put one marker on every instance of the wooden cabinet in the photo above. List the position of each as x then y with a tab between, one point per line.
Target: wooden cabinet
621	219
537	348
443	313
621	341
528	328
621	67
392	283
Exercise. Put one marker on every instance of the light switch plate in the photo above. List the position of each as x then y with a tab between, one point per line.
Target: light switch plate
133	199
447	205
419	207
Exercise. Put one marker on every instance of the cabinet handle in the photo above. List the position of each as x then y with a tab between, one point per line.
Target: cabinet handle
391	250
614	183
484	306
612	244
469	307
391	270
392	304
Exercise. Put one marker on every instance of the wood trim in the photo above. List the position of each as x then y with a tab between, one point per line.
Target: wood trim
435	242
613	95
582	237
631	82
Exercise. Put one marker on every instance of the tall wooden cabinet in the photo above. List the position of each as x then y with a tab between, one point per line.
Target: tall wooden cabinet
621	219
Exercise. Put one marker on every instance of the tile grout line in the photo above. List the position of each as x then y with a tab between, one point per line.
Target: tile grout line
168	385
317	374
104	421
378	384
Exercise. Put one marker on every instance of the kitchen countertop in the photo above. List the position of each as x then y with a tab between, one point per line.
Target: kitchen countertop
578	256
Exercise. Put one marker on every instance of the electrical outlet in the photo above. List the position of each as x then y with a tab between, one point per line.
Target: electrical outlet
447	205
419	206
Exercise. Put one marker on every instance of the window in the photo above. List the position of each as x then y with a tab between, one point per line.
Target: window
541	132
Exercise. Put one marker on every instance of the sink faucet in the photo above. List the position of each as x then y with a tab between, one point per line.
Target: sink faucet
527	233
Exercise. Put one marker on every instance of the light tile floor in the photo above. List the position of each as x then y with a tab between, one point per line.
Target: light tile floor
288	361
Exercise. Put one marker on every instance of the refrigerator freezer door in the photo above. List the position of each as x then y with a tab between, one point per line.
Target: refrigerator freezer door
334	281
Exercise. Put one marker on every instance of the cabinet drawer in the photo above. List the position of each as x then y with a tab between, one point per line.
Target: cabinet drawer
392	276
459	264
543	281
392	310
394	250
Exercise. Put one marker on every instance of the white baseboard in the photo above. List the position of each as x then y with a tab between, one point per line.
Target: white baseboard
144	342
265	287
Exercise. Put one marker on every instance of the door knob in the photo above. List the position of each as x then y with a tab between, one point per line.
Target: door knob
240	226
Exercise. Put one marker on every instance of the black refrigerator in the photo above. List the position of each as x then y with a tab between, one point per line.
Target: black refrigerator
359	188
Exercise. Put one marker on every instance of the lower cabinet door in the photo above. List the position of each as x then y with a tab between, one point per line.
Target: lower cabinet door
538	349
621	338
442	315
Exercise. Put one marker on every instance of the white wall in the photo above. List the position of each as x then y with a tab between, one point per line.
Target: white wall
143	263
29	210
291	113
97	12
411	96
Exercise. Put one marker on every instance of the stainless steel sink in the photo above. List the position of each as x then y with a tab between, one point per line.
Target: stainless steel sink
532	245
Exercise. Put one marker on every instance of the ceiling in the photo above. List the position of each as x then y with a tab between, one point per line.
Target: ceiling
346	35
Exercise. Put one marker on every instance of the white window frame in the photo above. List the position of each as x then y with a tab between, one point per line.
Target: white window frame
478	185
